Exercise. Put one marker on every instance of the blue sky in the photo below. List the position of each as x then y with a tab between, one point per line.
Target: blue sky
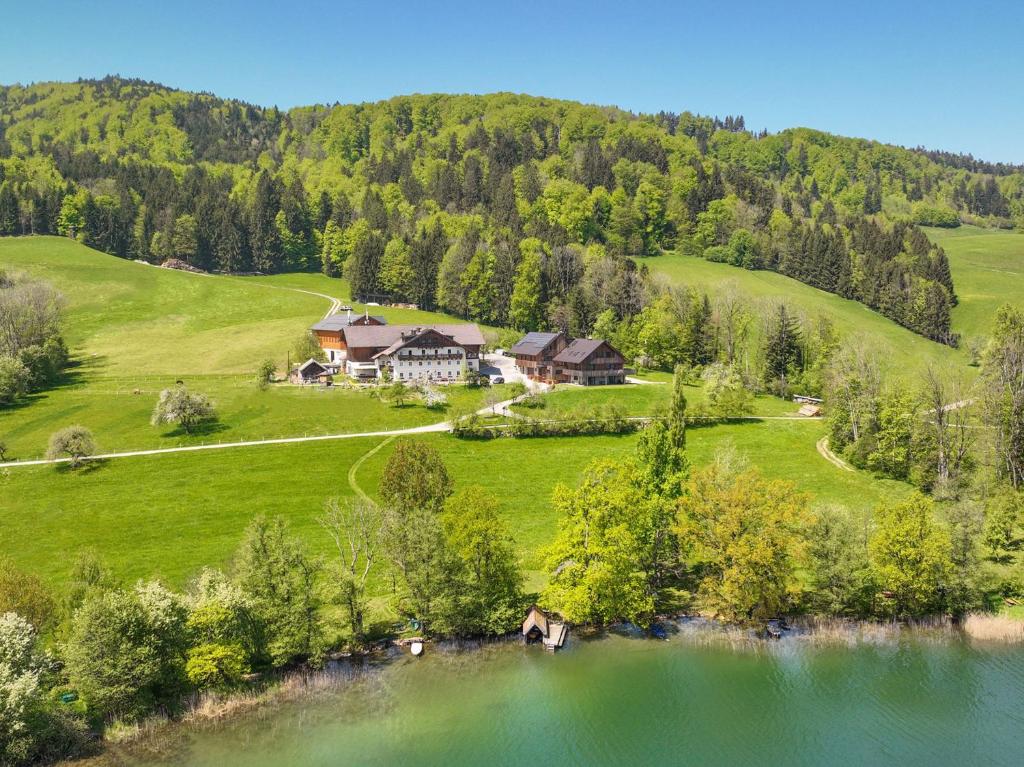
948	75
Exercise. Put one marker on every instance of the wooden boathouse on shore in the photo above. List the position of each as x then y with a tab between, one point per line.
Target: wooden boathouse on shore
538	627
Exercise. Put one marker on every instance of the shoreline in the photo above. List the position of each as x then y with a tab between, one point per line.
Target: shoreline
159	735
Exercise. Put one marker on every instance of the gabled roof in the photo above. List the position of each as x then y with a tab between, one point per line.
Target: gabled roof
401	343
311	366
579	350
343	321
383	336
535	618
534	343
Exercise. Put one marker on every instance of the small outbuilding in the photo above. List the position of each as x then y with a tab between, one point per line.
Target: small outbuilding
311	372
810	411
538	627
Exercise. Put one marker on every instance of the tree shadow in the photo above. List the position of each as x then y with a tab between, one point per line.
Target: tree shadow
203	429
87	466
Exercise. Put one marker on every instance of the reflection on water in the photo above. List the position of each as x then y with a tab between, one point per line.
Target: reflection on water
628	700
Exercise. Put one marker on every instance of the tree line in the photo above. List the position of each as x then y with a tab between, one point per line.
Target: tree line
461	202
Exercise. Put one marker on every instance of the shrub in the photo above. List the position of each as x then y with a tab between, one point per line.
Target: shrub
14	379
931	215
265	373
75	442
215	665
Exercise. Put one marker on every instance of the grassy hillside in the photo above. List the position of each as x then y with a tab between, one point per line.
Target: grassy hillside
136	329
140	327
128	319
988	270
898	348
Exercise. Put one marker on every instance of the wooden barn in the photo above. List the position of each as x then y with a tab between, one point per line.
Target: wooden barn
311	372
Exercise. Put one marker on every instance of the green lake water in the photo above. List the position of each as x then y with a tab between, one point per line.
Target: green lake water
630	701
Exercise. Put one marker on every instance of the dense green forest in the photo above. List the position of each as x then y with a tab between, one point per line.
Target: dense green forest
506	209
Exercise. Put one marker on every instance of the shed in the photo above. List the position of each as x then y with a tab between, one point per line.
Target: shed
310	371
810	411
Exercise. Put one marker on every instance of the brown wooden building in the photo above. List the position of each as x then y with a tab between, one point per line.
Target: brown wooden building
556	358
534	353
330	332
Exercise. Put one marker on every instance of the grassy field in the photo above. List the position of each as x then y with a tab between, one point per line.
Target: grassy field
898	348
118	411
168	515
127	319
135	329
988	270
636	400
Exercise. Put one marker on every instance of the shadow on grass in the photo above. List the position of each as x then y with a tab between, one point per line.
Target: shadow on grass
204	429
88	466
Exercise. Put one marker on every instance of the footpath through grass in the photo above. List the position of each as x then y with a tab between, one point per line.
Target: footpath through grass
117	410
169	515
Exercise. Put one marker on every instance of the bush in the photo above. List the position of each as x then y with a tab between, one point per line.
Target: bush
265	373
14	379
75	442
718	253
215	665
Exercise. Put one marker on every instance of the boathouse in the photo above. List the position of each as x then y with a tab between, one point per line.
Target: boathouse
539	628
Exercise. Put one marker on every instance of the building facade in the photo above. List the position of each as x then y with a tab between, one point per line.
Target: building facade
556	358
440	353
330	332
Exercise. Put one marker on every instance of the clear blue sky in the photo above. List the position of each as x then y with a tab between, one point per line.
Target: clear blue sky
948	75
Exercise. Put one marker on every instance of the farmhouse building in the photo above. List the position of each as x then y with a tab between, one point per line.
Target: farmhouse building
535	352
412	352
556	358
330	332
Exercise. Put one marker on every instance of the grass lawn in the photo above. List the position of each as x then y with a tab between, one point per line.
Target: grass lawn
168	515
118	411
988	271
897	348
636	399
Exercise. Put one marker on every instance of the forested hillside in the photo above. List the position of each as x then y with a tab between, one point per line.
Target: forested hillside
506	209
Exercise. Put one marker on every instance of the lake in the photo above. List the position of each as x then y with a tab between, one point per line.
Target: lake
616	700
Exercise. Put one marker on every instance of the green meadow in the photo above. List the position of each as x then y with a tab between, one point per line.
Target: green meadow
988	270
168	515
135	329
635	400
899	349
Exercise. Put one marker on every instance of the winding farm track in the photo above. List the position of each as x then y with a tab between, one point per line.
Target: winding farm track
831	457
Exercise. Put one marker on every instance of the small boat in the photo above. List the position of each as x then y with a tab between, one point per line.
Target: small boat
659	632
416	648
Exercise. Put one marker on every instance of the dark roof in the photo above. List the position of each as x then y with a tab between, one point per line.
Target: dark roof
383	336
342	321
579	350
533	343
311	366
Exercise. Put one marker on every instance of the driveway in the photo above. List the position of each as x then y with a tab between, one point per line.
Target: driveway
499	364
